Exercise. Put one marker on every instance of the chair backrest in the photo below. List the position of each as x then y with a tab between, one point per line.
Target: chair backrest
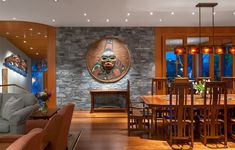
159	86
30	141
181	107
229	83
61	138
181	79
215	99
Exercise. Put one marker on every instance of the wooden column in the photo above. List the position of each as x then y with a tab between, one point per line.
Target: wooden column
211	66
159	65
233	42
5	80
51	63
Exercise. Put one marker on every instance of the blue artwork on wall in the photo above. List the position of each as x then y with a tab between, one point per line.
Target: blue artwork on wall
16	63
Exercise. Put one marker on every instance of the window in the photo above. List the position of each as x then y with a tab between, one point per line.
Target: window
205	65
228	65
190	66
216	67
170	65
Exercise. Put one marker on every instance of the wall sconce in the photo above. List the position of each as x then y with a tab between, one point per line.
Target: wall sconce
207	50
194	50
220	50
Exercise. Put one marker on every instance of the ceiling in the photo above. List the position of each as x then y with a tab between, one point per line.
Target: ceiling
71	12
32	38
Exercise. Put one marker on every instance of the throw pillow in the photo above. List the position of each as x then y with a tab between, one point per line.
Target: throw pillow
11	105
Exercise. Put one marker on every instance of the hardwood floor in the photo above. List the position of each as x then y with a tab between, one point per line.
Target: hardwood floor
108	131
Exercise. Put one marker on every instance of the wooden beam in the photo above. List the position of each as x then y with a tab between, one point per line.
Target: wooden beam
51	63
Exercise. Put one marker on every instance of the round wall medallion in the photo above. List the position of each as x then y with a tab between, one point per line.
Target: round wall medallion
108	59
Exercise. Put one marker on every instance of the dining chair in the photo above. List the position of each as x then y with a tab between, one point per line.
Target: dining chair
229	83
179	123
213	123
139	117
159	86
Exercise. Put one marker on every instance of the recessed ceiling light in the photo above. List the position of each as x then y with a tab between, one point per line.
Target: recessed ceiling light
55	0
126	20
25	41
39	33
85	14
17	36
37	53
214	13
14	18
88	20
172	13
31	48
31	29
234	13
160	20
7	33
53	20
151	13
107	20
128	14
3	0
193	13
45	36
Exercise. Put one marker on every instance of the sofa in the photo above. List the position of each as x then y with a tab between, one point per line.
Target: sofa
15	110
54	133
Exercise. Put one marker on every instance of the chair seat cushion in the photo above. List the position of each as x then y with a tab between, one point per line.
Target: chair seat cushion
4	125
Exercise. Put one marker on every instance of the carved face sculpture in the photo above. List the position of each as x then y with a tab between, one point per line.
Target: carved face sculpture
108	60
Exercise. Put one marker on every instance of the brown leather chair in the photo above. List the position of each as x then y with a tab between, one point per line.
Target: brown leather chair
30	141
56	135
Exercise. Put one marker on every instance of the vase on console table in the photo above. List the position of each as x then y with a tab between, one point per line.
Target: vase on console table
44	108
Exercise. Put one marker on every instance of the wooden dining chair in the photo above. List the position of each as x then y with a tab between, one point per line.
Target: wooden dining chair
229	83
179	123
159	86
214	122
139	118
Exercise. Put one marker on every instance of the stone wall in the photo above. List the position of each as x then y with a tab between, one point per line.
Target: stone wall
72	77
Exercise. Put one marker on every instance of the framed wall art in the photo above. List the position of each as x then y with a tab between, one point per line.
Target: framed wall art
108	59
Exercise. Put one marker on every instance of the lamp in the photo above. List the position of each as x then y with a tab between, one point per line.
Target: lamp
205	49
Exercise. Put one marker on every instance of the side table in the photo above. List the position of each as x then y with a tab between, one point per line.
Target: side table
39	115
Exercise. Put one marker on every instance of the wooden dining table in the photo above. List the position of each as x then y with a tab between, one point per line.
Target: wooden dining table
163	101
198	101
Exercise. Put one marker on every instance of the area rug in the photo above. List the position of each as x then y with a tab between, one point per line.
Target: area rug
73	139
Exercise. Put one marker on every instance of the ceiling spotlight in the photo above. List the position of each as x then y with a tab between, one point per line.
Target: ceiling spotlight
53	20
172	13
55	0
45	36
14	18
128	14
85	14
3	0
160	20
25	41
193	13
7	33
31	29
107	20
31	48
37	53
126	20
39	33
88	20
151	13
17	36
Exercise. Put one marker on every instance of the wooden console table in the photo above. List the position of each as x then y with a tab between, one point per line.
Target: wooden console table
95	92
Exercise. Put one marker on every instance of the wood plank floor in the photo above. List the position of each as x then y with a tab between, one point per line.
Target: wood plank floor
108	131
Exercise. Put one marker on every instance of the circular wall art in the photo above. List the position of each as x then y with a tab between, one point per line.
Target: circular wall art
108	59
